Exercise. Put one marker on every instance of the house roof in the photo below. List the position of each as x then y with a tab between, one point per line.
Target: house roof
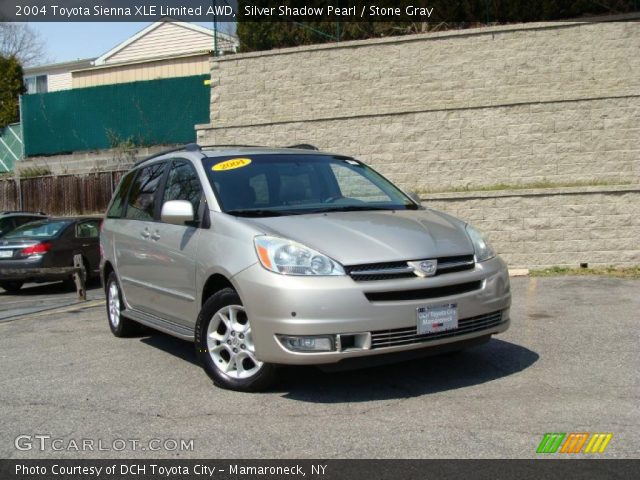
103	59
197	53
57	67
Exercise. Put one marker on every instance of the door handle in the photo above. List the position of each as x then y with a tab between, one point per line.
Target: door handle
145	234
155	236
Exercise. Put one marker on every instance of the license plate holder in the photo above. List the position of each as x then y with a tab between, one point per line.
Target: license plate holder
437	318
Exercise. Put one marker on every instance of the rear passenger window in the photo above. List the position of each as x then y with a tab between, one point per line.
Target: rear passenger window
90	229
141	205
183	184
120	196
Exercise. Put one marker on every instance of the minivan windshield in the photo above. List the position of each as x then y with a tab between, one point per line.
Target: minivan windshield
289	184
37	230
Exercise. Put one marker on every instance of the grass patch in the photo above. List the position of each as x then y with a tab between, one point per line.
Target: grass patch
31	172
621	272
524	186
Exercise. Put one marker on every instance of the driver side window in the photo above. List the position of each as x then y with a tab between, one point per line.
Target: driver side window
183	184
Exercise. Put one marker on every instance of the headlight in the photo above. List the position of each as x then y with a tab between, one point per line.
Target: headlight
290	258
482	248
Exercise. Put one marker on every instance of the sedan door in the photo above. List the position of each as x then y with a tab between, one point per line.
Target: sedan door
87	242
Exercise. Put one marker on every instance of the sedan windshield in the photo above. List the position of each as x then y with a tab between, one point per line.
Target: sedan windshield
289	184
37	230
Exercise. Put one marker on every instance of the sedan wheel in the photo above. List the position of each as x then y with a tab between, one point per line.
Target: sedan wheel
225	345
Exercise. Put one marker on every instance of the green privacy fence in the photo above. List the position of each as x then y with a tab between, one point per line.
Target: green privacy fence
153	112
10	146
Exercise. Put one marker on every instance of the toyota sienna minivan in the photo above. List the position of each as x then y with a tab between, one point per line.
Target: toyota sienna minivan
265	257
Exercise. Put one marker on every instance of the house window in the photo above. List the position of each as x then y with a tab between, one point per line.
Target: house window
36	84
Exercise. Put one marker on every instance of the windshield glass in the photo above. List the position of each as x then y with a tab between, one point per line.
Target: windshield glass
288	184
37	230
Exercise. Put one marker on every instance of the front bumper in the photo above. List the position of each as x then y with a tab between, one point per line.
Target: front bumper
337	306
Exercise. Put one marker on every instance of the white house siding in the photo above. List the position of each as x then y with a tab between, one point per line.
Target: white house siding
59	81
168	68
168	39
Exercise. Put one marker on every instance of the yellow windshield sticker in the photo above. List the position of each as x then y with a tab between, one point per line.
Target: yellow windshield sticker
231	164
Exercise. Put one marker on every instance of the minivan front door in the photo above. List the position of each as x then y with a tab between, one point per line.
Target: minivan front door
174	250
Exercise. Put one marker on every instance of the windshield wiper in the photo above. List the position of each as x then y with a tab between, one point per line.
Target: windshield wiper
364	208
256	212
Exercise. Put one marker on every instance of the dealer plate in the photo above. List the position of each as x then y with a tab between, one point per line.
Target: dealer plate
437	318
6	253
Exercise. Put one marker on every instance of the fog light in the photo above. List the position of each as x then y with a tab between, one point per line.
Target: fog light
307	343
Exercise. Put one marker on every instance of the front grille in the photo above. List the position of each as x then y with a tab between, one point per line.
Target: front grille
407	336
380	271
393	270
423	293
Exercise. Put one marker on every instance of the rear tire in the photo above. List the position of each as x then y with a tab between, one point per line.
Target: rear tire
119	325
12	287
224	345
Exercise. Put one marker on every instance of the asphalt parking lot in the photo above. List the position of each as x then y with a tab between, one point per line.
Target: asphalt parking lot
569	363
35	298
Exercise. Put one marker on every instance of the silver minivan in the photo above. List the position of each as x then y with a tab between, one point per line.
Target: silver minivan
267	257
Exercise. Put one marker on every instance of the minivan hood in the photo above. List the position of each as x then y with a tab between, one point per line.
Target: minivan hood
354	238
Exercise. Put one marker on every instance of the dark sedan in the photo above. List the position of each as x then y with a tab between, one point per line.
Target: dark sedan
43	251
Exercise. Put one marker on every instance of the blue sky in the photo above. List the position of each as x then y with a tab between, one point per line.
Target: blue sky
66	41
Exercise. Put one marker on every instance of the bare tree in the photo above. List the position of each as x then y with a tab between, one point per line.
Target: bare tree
21	41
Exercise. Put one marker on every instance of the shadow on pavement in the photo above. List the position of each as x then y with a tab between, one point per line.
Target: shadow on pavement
176	347
491	361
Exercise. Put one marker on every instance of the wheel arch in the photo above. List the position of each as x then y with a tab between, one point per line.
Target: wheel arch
106	271
215	283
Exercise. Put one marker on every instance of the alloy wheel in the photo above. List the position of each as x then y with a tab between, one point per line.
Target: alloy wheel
230	343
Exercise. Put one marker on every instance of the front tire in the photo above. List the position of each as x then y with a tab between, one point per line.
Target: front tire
12	287
225	348
119	325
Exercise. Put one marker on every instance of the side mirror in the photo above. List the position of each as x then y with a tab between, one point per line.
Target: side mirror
177	212
415	196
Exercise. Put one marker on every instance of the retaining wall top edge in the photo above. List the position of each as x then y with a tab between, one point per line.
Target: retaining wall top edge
429	36
97	154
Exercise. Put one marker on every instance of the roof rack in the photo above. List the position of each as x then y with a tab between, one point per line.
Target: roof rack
303	146
194	147
231	145
189	147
